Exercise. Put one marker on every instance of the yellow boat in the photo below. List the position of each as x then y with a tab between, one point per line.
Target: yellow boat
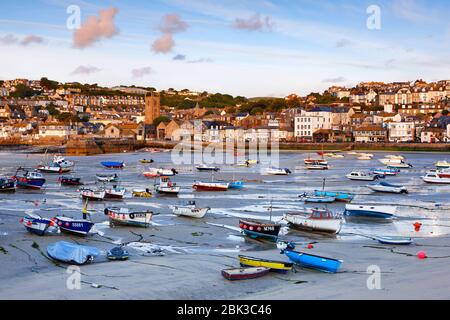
278	266
145	161
142	194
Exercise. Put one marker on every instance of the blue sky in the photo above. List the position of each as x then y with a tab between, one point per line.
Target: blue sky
296	46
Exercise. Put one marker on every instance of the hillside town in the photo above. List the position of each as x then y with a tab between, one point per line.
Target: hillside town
45	111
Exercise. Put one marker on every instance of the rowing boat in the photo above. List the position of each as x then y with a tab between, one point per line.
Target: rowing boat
244	273
277	266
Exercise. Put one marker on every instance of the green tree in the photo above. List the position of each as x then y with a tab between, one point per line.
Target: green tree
445	112
48	84
22	91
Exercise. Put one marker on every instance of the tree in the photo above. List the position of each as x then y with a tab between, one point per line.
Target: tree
445	112
51	108
22	91
49	84
160	119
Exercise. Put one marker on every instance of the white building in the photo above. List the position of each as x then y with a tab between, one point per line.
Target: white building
401	131
55	129
309	122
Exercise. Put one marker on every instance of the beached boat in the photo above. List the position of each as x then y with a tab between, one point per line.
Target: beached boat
7	185
72	253
317	199
317	166
142	193
237	185
257	229
115	193
311	261
278	171
316	220
70	181
396	163
51	168
244	273
363	211
166	187
63	163
339	196
385	172
156	173
36	224
442	173
364	158
247	163
205	167
117	254
362	176
124	216
395	157
273	265
29	179
190	210
107	177
394	240
74	226
88	194
387	188
113	164
210	186
146	161
442	164
435	178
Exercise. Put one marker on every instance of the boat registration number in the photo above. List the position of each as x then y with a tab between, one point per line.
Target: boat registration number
269	229
77	225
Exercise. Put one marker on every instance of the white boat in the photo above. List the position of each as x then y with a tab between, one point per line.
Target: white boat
123	216
190	210
93	195
397	157
210	186
362	176
365	211
435	178
166	186
395	163
337	156
115	193
63	162
156	173
205	167
388	188
442	164
388	161
278	171
364	157
315	220
51	168
317	167
107	177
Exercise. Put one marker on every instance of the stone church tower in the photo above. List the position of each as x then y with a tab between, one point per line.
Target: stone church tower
152	107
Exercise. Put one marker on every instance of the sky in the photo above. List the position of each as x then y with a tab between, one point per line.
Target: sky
252	48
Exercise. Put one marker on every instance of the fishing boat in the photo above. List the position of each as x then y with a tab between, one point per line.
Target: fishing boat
394	240
363	211
388	188
117	254
311	261
317	166
316	161
115	193
273	265
442	173
51	168
36	224
92	195
244	273
79	227
399	166
166	187
362	176
113	164
316	220
70	181
205	167
339	196
317	199
156	173
435	178
278	171
146	161
237	185
190	210
72	253
442	165
107	177
7	185
29	179
124	216
210	186
142	193
257	229
385	172
63	162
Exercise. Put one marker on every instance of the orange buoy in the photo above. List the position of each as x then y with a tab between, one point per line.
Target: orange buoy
421	255
417	226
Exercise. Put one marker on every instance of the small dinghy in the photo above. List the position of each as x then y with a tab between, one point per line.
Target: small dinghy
117	254
257	229
376	212
237	185
7	185
146	161
276	266
278	171
205	167
88	194
79	227
394	240
210	186
142	193
167	187
107	177
36	224
190	210
115	193
113	164
70	181
385	172
156	173
315	220
72	253
339	196
310	261
244	273
126	217
362	176
388	188
317	199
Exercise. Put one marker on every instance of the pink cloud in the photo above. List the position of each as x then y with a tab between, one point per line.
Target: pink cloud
96	28
254	23
170	25
31	39
164	44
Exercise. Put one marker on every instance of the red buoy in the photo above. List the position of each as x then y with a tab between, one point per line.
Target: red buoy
310	246
417	226
421	255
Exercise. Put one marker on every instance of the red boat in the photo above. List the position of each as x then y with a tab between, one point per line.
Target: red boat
244	273
211	186
256	229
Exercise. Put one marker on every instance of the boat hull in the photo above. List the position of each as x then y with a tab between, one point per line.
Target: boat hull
339	196
199	186
113	165
314	262
93	196
257	230
319	199
7	185
77	227
276	266
385	189
132	219
36	225
304	223
380	212
244	273
25	183
190	212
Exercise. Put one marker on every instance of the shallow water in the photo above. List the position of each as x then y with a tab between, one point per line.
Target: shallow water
428	204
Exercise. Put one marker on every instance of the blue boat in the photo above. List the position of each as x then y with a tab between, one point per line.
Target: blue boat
377	212
236	185
28	179
339	196
385	172
311	261
318	199
113	164
72	253
36	224
79	227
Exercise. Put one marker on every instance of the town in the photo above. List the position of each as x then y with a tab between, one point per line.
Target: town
46	112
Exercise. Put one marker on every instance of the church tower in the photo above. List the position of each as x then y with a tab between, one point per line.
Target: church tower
152	107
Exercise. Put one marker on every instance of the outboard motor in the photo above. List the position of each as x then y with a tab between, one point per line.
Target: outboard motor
174	171
106	211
